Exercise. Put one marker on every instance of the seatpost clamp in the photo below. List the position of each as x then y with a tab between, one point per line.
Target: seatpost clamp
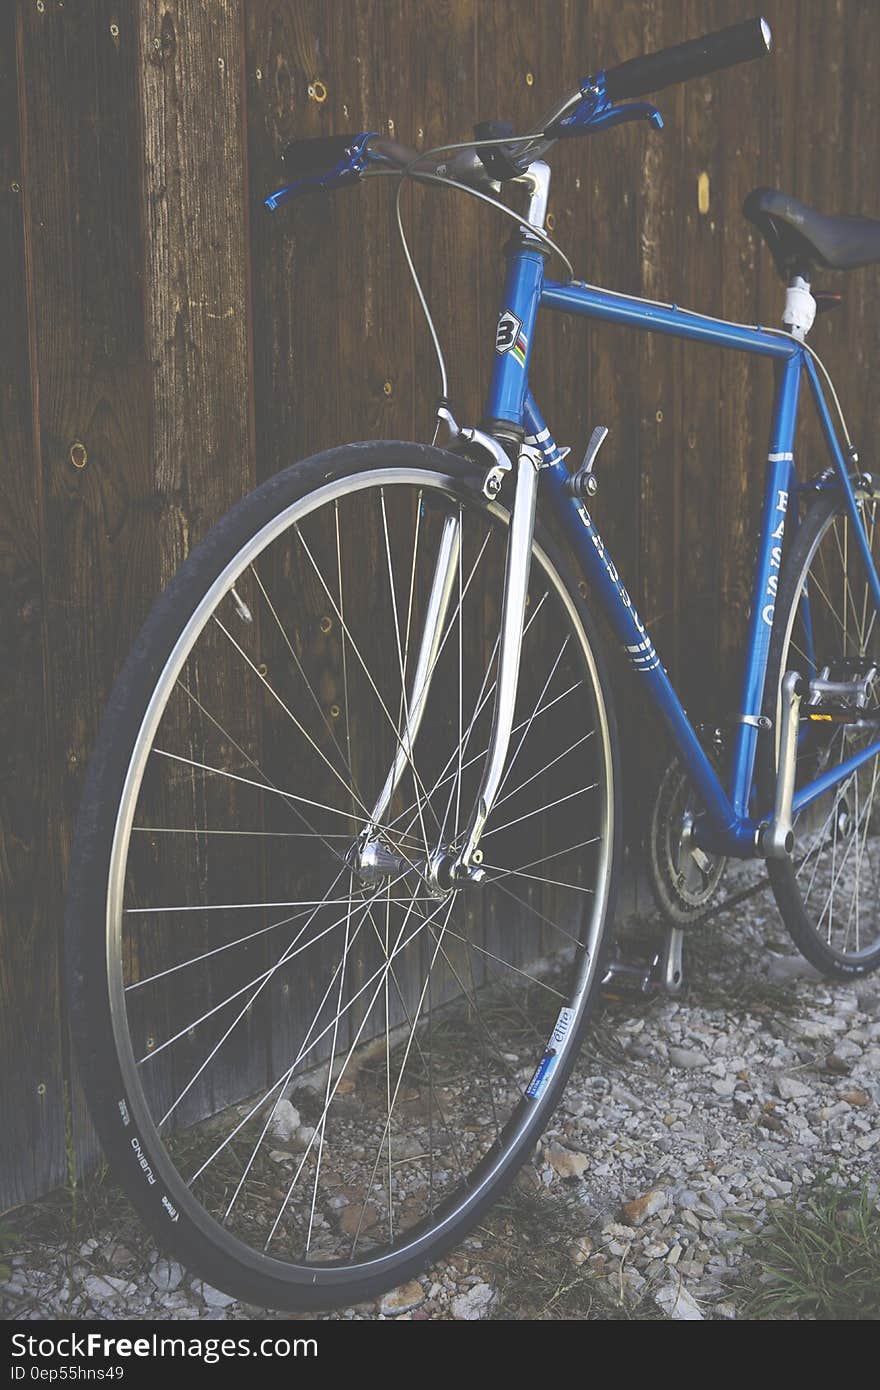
800	308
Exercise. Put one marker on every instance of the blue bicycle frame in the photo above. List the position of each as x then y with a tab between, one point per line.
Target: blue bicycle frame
729	825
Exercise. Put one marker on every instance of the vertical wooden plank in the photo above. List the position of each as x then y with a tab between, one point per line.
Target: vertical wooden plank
297	292
658	363
197	257
31	1097
700	214
84	245
746	389
858	328
436	99
815	177
375	371
192	89
562	376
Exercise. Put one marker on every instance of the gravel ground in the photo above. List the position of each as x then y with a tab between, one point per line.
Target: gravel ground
686	1122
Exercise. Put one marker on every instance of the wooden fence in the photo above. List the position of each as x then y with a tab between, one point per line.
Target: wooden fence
165	345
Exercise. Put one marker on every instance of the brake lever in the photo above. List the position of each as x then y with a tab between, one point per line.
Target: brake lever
348	170
596	111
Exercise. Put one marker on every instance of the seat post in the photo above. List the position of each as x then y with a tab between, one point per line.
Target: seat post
800	308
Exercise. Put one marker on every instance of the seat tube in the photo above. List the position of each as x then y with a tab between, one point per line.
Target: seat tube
780	478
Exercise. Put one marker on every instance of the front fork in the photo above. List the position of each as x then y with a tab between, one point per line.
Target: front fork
442	586
451	865
516	585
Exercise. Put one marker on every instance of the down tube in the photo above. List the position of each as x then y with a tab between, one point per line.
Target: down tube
733	835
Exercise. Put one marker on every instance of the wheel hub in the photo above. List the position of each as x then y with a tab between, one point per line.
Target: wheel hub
440	875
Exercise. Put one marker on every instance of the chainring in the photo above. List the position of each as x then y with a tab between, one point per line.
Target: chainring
684	878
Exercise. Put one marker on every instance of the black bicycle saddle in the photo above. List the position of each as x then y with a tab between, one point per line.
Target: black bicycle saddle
799	237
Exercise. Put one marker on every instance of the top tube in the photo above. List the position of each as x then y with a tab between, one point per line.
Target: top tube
611	307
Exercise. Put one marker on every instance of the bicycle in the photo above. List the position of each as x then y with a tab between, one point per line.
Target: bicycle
384	816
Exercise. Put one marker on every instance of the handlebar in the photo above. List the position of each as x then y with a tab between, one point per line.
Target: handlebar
334	161
738	43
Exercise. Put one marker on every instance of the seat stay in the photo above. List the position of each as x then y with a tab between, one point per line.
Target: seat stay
842	467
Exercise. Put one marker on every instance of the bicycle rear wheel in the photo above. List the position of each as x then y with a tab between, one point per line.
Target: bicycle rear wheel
826	622
312	1079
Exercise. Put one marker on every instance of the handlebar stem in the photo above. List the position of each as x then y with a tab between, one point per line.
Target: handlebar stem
536	178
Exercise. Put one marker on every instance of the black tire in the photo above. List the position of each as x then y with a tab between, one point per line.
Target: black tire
792	879
138	1158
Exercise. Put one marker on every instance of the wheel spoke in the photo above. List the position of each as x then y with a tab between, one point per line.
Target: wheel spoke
353	1028
539	810
366	670
383	972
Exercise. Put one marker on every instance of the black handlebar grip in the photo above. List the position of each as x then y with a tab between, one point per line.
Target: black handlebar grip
739	43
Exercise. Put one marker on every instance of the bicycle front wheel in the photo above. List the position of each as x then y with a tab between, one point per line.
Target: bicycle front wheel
313	1073
827	626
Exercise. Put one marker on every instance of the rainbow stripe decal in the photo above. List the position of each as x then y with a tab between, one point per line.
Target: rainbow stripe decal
520	348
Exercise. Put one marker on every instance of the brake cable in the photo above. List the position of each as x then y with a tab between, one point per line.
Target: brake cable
411	172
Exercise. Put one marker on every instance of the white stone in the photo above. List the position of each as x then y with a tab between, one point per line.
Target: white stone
790	1089
474	1304
216	1298
402	1299
286	1121
565	1162
96	1287
167	1275
677	1303
785	968
687	1058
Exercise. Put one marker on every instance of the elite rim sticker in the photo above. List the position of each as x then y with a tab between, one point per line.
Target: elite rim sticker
547	1064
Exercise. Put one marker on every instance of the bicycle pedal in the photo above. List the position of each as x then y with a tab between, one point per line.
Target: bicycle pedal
664	972
841	692
842	714
625	979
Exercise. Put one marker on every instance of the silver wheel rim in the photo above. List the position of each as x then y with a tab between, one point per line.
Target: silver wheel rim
522	1119
838	847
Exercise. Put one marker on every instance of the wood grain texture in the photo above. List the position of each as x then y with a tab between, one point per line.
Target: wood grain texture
31	1070
192	96
167	334
197	253
84	258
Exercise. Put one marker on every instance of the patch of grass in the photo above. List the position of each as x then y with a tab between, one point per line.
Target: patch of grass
526	1242
820	1257
64	1218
